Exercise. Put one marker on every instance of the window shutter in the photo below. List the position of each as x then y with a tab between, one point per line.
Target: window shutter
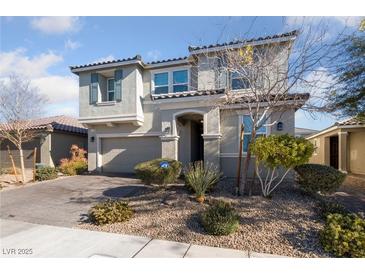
222	78
94	88
118	76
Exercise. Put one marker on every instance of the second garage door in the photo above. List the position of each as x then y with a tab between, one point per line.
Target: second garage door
120	155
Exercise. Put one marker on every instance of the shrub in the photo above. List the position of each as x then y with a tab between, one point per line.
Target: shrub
46	173
220	219
344	235
326	207
201	178
158	171
110	212
73	167
10	171
77	164
279	151
315	177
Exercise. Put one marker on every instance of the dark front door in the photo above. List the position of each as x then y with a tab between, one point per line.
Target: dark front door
334	152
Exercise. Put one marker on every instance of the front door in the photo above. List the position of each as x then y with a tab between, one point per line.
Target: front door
334	152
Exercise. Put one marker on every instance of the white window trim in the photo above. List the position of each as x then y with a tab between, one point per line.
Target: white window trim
109	91
170	78
240	121
230	83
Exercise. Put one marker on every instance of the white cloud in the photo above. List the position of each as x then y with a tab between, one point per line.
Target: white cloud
17	62
104	59
69	44
56	24
153	55
302	21
59	90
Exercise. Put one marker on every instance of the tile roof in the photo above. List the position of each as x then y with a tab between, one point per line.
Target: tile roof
276	36
305	131
59	123
137	58
187	94
167	60
354	121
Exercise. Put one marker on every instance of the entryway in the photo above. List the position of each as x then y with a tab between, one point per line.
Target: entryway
334	152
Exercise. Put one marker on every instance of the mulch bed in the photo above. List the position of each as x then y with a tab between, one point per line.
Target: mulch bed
287	224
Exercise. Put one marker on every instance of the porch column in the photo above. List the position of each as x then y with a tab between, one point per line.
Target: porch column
342	151
169	146
212	136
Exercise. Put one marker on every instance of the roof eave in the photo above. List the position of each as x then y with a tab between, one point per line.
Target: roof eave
239	45
77	70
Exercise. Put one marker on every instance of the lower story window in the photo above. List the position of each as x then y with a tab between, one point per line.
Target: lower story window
247	122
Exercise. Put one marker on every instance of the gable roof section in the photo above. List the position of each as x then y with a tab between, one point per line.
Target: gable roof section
58	123
353	121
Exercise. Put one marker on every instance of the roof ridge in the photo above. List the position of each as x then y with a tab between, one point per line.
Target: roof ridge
239	41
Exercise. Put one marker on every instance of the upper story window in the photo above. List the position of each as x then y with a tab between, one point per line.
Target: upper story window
161	81
238	81
110	89
170	81
180	80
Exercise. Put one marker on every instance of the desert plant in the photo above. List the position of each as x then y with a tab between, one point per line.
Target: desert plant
201	178
326	207
46	173
110	212
77	164
158	171
344	235
315	177
220	219
278	151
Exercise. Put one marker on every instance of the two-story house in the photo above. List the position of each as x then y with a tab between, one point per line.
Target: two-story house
137	111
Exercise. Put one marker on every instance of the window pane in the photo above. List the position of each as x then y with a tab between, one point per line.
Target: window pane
248	125
247	138
160	90
239	83
247	122
111	84
161	79
180	88
180	77
110	96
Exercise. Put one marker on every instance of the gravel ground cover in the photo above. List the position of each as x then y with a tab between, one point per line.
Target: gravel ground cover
287	224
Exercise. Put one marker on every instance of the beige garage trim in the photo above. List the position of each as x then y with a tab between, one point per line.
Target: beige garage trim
121	154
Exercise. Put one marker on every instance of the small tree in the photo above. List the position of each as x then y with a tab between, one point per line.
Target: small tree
19	102
275	152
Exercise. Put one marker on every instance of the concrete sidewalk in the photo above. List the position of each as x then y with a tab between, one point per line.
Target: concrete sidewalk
20	239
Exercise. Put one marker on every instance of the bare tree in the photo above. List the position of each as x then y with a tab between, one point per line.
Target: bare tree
19	103
269	76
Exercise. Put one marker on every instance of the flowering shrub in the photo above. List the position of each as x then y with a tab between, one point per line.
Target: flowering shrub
77	164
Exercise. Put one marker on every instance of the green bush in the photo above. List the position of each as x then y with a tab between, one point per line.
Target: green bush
151	172
110	212
344	235
220	219
315	177
73	167
201	178
326	207
46	173
278	151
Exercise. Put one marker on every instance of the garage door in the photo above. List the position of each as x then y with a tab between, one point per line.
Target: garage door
120	155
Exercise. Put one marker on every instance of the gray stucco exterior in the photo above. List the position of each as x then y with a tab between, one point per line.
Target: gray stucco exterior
141	126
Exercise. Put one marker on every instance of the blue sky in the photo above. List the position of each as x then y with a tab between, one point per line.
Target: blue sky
42	48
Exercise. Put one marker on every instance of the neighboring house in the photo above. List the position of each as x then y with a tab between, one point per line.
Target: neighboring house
341	146
138	111
304	132
55	135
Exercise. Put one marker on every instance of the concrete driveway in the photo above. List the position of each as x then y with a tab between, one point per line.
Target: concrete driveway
64	201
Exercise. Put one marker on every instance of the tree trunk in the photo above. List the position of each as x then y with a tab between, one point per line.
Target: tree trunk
246	165
22	163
